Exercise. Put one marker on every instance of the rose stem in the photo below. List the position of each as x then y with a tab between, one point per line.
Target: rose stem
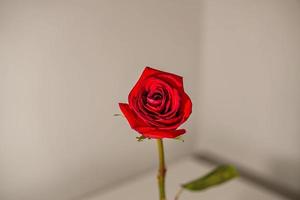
162	170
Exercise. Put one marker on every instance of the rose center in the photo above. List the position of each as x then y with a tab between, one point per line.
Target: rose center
156	96
154	99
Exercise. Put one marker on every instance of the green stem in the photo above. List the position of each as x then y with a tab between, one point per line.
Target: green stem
162	170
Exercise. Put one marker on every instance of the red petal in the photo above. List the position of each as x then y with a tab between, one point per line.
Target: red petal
131	117
146	73
187	109
165	76
150	71
157	133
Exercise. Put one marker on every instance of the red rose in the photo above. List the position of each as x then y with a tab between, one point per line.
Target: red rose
157	105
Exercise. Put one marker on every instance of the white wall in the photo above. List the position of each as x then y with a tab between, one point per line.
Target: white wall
249	79
64	66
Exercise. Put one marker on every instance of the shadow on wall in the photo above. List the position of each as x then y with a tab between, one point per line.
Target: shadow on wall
281	188
285	171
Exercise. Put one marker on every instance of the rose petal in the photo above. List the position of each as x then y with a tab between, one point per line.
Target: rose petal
187	109
148	71
173	80
143	128
133	120
157	133
157	117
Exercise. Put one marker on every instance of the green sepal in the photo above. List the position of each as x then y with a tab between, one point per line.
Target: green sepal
140	138
219	175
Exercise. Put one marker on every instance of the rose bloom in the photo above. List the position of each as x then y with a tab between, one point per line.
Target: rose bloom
157	105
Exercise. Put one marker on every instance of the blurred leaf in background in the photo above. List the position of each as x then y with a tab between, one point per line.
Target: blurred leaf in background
219	175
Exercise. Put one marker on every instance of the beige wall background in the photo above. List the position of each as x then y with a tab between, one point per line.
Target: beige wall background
249	81
64	67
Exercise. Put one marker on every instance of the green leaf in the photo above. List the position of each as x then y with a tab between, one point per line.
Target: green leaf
219	175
